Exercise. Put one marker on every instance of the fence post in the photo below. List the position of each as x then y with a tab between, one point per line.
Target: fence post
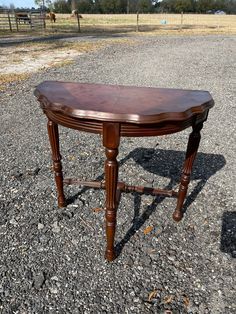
30	17
218	22
78	20
182	20
9	20
137	25
17	28
42	17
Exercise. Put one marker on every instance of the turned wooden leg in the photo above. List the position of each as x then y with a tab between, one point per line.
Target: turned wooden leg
111	140
56	157
193	144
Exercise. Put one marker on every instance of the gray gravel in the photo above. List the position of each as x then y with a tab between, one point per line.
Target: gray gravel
52	259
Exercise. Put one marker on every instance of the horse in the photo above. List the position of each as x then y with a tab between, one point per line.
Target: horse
23	17
52	17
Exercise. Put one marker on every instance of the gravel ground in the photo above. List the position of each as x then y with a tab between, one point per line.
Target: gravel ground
52	259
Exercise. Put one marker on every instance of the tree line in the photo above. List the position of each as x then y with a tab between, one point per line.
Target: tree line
141	6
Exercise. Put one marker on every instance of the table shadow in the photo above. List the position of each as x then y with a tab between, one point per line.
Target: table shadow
228	234
168	163
164	163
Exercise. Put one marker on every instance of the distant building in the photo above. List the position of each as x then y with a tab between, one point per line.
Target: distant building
220	12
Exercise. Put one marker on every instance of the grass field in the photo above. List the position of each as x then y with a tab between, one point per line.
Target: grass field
153	19
156	23
147	22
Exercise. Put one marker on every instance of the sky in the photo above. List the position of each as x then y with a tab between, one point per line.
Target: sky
19	3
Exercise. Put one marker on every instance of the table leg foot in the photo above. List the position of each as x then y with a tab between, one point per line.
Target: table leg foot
110	255
61	203
193	144
177	215
56	158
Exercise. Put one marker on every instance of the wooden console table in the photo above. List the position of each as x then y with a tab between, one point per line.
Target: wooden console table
115	111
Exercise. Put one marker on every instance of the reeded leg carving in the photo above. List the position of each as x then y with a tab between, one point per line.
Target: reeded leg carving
193	144
111	139
56	157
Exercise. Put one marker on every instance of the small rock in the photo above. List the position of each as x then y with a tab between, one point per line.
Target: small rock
16	174
130	261
43	239
33	172
40	226
53	290
147	261
13	222
55	227
67	214
39	280
171	258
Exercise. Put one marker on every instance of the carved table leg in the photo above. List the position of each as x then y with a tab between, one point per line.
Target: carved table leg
111	140
56	157
193	144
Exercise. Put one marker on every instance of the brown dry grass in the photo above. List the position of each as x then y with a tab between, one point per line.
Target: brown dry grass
37	50
9	78
98	24
54	53
147	22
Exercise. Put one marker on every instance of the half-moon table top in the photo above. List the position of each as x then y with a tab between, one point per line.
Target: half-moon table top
127	104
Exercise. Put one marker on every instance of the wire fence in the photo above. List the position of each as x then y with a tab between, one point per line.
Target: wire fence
35	20
144	22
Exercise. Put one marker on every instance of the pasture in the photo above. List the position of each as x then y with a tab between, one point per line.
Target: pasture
146	23
156	23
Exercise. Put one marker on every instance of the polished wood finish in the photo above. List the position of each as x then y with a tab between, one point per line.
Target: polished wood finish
115	111
140	105
111	141
56	157
121	186
193	144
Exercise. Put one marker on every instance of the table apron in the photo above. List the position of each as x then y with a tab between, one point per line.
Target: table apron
126	129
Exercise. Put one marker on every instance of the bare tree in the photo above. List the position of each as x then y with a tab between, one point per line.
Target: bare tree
74	5
127	7
43	3
12	7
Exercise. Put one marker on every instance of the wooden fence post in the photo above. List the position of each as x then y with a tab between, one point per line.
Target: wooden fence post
9	20
137	25
30	20
17	28
78	20
43	19
182	20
